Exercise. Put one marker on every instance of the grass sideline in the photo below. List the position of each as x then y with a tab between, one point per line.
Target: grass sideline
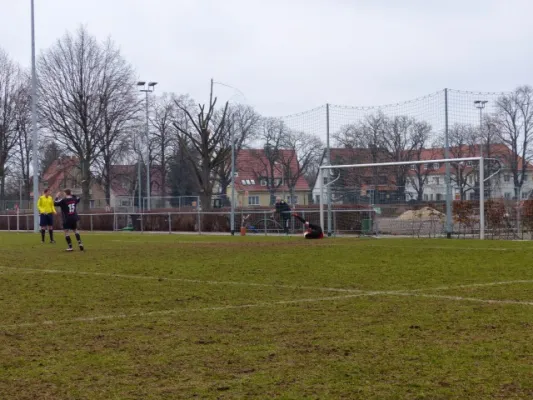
179	316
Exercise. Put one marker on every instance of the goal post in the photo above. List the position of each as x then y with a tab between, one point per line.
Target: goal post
330	170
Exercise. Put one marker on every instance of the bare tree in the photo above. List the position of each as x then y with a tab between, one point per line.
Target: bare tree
76	87
164	138
203	140
301	153
24	154
266	165
49	152
402	138
418	175
463	141
244	124
10	86
514	121
120	108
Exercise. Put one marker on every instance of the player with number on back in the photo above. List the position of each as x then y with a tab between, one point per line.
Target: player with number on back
69	209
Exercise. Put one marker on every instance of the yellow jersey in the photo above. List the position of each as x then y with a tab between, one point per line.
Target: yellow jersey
46	205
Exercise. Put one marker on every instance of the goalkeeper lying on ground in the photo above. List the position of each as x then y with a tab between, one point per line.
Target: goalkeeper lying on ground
311	231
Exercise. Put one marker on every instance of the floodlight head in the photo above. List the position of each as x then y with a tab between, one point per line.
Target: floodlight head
152	84
141	83
480	103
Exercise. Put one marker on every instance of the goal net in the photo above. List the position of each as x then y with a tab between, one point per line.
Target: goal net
454	197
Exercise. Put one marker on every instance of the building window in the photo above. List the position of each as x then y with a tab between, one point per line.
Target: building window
253	200
413	167
469	163
507	178
437	181
439	196
263	182
236	175
426	166
426	198
431	197
525	195
508	195
252	181
292	199
436	165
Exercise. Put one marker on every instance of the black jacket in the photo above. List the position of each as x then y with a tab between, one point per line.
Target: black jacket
283	209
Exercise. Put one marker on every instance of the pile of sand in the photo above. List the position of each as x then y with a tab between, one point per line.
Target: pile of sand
424	214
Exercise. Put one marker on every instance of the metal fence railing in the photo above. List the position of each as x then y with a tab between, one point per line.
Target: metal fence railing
503	220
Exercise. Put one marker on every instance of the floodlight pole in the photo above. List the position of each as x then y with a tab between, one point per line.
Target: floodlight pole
328	188
480	104
321	202
35	144
232	222
449	226
481	198
147	88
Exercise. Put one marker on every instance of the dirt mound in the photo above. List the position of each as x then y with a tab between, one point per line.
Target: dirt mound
424	214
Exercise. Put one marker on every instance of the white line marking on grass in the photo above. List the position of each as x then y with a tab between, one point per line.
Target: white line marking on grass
460	298
472	285
156	278
179	311
447	248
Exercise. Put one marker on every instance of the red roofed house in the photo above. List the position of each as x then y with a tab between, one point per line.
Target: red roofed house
65	173
262	175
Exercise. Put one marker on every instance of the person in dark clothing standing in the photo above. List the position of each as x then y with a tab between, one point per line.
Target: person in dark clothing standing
284	211
312	231
69	209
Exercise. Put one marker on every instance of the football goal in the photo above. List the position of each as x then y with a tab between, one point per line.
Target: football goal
436	197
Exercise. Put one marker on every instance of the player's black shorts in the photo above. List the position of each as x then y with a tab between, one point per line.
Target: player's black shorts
46	220
70	224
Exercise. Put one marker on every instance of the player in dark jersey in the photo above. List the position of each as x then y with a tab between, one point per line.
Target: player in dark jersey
312	231
69	209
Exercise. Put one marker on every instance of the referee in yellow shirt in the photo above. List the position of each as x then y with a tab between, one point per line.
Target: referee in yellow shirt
47	210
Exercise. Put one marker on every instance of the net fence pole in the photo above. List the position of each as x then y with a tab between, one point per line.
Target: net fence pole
321	201
232	217
481	199
328	151
449	227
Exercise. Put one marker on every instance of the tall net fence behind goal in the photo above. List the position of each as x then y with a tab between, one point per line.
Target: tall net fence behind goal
409	199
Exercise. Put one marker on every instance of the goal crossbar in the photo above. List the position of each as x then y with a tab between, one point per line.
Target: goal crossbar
412	162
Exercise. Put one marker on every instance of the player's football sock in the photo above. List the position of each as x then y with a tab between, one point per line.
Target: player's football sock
69	241
78	238
51	232
43	234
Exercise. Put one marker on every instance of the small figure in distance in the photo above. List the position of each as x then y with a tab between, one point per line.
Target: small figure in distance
69	209
284	211
47	209
312	231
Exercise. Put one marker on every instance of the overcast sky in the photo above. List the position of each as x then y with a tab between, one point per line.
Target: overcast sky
287	56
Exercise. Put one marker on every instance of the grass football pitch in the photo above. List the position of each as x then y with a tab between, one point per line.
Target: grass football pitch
176	316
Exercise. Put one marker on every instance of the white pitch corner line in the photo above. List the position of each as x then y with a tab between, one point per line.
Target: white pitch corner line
460	298
180	311
158	278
